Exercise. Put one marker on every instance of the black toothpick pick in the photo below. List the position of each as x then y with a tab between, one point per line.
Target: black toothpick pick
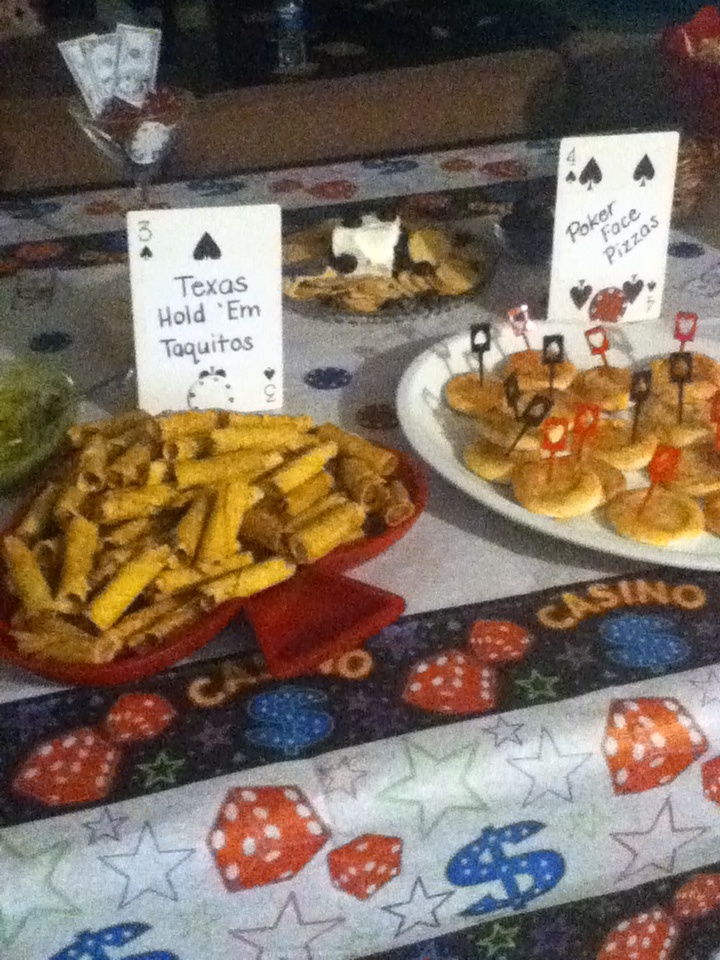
480	344
640	387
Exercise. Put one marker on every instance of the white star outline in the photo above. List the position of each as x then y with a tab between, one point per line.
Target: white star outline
655	847
549	770
503	732
285	932
420	913
28	888
106	827
706	684
343	776
420	788
151	873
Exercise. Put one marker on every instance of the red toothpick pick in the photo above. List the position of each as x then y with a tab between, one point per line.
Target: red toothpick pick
519	318
662	469
685	328
598	342
585	425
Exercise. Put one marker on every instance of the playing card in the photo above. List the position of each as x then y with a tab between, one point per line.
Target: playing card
612	222
206	295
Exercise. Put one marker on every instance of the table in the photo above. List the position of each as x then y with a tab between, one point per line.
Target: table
228	834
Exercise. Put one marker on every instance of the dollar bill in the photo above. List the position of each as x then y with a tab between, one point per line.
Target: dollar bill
101	53
73	55
137	62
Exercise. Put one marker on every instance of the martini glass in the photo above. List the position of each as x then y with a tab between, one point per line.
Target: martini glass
138	139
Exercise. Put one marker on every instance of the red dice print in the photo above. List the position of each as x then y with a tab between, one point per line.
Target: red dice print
648	742
365	864
139	716
452	683
498	641
711	779
697	897
263	835
648	936
76	768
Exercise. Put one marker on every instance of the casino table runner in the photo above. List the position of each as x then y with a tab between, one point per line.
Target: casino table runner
496	167
536	776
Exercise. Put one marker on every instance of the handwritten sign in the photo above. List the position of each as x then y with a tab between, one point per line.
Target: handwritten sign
612	222
207	308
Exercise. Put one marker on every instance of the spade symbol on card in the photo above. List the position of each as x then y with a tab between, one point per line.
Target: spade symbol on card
632	289
269	373
580	294
206	249
146	253
651	285
591	174
571	178
644	171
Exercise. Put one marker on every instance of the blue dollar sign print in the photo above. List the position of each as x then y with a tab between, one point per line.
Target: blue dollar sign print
644	641
522	877
289	720
95	946
327	378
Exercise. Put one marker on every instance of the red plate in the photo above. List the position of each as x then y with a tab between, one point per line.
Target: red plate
299	624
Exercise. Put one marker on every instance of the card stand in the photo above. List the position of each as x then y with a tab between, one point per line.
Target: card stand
316	615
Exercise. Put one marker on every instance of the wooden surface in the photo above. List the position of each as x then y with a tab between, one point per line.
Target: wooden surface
500	97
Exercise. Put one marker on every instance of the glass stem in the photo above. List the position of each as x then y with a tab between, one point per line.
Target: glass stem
143	180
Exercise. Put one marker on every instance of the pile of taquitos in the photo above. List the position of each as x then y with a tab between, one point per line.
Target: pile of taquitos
151	520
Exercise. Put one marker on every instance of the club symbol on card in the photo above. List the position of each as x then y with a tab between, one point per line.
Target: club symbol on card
571	178
644	171
269	373
206	249
580	294
632	289
146	253
591	174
